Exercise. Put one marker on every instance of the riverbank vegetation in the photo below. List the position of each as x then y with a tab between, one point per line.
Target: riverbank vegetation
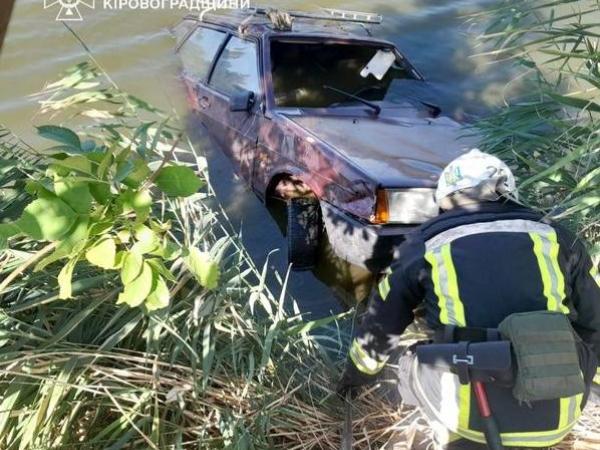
208	357
131	316
551	136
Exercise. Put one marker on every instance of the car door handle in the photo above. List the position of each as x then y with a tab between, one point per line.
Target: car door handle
204	102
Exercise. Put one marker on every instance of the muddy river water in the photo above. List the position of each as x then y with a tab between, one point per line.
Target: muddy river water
136	49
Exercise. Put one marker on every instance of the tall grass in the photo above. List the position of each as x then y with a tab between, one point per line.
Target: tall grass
233	367
551	136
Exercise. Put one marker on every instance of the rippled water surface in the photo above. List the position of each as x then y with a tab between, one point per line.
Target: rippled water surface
136	49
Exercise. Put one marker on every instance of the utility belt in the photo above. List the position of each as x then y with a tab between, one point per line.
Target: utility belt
474	354
449	334
538	354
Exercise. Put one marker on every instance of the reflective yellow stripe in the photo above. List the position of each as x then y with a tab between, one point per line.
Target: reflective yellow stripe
546	249
570	411
363	361
564	412
464	405
461	395
538	250
534	439
560	287
435	276
459	309
445	283
384	288
594	274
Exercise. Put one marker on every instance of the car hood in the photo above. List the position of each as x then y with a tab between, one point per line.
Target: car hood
394	151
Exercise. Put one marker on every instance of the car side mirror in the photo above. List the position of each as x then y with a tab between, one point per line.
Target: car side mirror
242	101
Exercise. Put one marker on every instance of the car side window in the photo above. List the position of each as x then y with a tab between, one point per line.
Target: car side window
200	50
237	68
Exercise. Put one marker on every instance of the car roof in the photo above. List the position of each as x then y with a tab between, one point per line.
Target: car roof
251	23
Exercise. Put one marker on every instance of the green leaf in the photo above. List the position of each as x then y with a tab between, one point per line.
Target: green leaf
104	164
137	291
74	241
124	236
65	278
139	202
100	192
159	297
147	240
60	134
168	250
142	133
76	163
119	259
76	194
201	265
76	238
47	219
178	181
37	189
124	169
142	204
101	226
159	267
103	254
138	175
132	266
7	230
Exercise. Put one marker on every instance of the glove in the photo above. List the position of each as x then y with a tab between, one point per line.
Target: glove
352	382
345	387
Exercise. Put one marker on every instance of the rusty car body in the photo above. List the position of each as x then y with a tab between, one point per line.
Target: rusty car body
291	108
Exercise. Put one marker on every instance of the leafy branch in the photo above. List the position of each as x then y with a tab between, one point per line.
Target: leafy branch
91	195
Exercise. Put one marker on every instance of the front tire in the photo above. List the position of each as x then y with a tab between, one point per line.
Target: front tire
303	232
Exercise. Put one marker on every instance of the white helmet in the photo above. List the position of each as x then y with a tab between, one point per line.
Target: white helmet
474	169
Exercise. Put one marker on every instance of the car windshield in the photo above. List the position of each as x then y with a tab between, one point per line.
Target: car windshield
305	72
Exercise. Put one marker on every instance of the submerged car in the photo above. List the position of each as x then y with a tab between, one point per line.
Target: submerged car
312	109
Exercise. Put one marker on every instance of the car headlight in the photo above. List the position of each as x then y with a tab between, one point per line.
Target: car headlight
405	206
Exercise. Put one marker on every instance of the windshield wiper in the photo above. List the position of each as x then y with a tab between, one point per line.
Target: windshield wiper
375	107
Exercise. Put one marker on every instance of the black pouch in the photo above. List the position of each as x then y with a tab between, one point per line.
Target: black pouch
545	348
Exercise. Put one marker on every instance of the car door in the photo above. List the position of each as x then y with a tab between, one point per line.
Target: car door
198	52
236	71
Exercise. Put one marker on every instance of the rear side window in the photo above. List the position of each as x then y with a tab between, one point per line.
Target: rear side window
199	51
237	68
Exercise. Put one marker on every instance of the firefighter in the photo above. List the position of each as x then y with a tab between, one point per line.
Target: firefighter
482	259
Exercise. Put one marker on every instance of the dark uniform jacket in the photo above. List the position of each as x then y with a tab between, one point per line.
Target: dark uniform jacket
473	269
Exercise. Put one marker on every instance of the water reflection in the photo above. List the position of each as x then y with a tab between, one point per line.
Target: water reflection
350	283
